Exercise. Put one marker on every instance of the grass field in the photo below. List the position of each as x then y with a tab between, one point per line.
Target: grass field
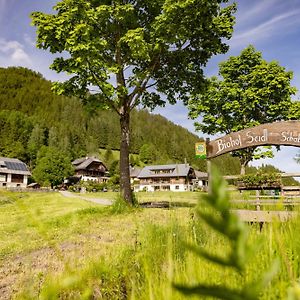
53	247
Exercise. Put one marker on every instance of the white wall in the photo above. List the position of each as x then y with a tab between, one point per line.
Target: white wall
9	184
150	188
87	178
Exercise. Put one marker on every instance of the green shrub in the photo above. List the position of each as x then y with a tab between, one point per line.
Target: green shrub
261	179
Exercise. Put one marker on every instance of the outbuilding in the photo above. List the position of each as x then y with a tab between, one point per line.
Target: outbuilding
13	173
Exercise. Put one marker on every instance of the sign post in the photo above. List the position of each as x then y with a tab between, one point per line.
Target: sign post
201	152
208	164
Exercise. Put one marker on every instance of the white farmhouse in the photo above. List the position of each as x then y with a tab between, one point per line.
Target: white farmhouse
175	177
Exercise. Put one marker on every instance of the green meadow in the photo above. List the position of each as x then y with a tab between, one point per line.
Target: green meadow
53	247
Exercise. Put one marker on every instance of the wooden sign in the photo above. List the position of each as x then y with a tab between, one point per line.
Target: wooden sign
277	133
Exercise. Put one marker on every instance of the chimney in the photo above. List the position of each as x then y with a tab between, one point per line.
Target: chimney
185	162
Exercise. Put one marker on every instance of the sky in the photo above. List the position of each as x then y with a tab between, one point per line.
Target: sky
272	26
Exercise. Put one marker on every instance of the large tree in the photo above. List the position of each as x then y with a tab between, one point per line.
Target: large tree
250	91
124	53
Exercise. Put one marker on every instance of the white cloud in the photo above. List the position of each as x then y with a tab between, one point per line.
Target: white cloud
256	9
275	25
15	52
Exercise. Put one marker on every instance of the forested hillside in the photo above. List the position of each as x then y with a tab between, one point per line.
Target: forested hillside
31	116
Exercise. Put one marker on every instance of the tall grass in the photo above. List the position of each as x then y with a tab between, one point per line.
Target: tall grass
147	268
145	258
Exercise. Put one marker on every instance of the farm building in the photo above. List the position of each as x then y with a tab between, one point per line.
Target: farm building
175	177
90	168
13	173
134	172
201	180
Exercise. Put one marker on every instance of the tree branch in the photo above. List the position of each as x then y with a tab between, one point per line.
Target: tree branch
107	100
139	91
124	103
151	85
142	85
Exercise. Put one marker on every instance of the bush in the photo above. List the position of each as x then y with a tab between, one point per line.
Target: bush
261	179
90	186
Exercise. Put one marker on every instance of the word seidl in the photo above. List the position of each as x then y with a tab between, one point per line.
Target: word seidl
257	138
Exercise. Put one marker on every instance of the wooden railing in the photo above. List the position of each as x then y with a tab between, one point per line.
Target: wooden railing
269	201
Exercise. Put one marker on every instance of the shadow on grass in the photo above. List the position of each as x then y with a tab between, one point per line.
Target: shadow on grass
166	204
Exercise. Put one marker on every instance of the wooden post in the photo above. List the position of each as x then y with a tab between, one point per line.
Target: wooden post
208	162
257	200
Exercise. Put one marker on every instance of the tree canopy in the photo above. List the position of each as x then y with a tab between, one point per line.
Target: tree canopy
249	92
52	167
121	54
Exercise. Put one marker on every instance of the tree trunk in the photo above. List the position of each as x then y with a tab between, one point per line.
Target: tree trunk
125	187
243	169
245	158
244	164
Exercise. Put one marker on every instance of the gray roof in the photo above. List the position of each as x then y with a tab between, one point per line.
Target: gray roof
174	170
34	184
84	162
201	175
134	171
13	166
79	160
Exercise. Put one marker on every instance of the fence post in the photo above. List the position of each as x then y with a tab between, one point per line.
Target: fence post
257	200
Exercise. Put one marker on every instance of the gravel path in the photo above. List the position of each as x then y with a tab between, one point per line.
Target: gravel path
95	200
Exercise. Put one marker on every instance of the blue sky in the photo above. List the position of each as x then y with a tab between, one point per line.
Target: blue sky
272	26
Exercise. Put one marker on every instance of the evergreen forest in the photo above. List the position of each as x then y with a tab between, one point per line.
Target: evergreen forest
33	118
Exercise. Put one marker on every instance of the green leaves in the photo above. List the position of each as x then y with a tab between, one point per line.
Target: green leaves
52	166
252	90
139	48
261	179
153	40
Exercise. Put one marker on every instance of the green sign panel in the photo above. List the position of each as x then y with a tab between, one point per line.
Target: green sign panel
200	149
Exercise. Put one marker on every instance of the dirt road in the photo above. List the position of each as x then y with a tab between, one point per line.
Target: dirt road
95	200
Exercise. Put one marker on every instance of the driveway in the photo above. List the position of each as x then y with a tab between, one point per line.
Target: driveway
95	200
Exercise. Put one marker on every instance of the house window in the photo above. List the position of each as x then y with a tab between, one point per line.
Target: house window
162	171
17	178
176	187
2	177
